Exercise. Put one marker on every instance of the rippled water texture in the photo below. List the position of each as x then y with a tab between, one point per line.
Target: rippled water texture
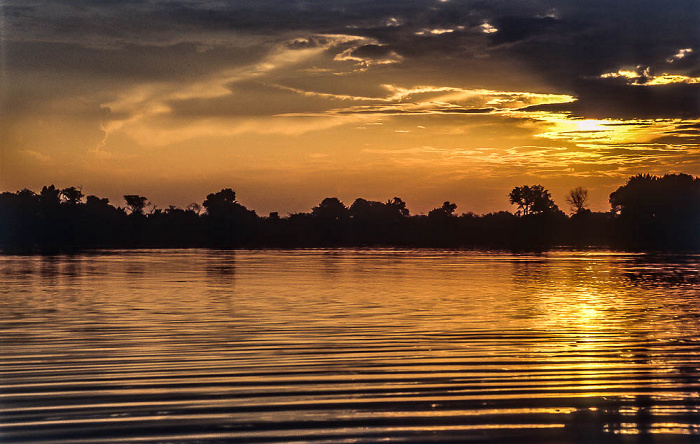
349	346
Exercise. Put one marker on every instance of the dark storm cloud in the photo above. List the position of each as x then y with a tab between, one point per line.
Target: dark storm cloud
513	29
594	37
129	62
148	20
371	51
615	99
119	20
568	44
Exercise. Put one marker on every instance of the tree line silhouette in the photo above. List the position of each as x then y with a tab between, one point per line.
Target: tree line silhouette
648	212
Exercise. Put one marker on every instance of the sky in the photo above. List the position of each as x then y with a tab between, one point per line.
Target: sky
288	102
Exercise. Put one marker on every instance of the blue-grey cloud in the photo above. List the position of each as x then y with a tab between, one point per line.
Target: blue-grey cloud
567	45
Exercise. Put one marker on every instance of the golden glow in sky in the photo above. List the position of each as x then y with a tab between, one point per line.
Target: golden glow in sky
429	101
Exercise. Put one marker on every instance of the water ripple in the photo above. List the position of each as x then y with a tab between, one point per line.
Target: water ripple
349	346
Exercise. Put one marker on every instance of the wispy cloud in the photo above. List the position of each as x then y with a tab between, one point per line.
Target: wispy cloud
369	54
643	77
139	109
457	89
681	54
432	100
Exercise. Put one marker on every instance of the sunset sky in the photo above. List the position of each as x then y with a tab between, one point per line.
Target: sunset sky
288	102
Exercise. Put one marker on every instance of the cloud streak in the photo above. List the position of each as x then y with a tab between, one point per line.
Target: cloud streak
461	89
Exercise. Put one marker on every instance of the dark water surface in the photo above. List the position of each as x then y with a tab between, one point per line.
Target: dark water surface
349	346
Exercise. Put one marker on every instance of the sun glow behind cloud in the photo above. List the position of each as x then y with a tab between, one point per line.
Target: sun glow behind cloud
386	100
645	78
607	131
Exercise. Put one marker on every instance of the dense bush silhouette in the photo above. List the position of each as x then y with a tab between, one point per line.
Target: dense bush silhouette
226	223
647	212
657	212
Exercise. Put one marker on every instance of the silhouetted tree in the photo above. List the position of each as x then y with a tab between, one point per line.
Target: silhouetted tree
532	200
20	219
221	202
50	196
398	207
104	225
330	208
646	196
497	229
649	196
97	202
659	212
330	218
586	228
367	210
648	212
135	203
228	223
441	227
72	195
377	223
392	210
577	199
194	208
446	210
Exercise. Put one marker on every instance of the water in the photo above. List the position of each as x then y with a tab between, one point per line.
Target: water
349	346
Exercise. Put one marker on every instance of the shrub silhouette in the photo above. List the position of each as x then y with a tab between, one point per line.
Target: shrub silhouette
656	212
647	212
135	203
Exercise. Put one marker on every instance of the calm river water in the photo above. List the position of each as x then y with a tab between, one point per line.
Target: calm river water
349	346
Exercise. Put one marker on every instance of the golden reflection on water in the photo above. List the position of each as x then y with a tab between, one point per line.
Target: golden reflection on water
348	345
